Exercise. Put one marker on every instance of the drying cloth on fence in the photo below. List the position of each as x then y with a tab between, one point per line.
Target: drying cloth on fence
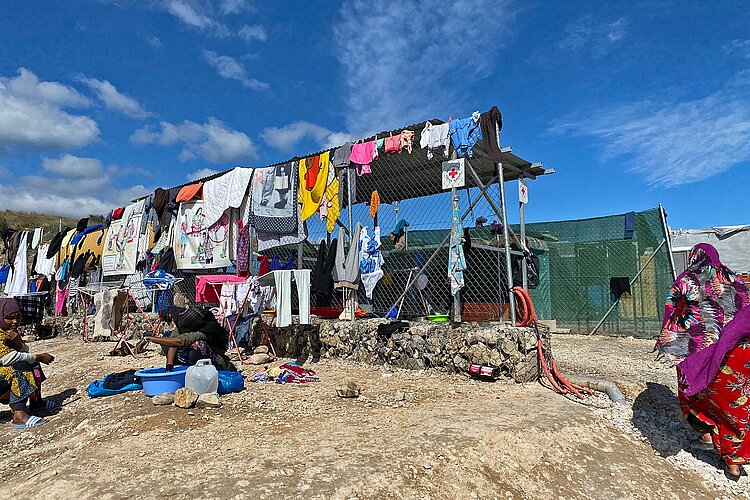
273	198
465	133
370	260
283	281
104	302
118	380
492	123
205	292
37	238
54	244
81	234
341	156
269	239
374	203
407	140
226	191
198	245
313	178
302	279
243	251
322	278
96	389
362	154
61	298
4	271
393	144
456	259
160	200
629	225
435	137
618	287
347	264
32	308
277	265
19	276
332	202
189	192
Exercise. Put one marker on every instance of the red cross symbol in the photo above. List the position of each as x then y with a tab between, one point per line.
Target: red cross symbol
523	191
453	173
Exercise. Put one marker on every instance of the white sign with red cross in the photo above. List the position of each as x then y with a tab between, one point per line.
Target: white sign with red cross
454	174
523	192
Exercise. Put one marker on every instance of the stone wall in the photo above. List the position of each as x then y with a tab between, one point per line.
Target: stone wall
422	345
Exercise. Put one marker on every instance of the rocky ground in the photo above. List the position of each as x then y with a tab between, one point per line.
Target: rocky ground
411	434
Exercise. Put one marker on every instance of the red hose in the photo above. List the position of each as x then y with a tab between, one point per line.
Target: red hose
526	316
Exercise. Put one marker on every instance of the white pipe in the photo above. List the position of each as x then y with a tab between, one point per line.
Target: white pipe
600	385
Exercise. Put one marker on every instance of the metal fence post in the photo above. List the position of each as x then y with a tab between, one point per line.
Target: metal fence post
506	236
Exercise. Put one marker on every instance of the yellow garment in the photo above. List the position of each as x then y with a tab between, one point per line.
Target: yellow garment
310	200
19	389
65	248
92	242
374	203
334	209
150	235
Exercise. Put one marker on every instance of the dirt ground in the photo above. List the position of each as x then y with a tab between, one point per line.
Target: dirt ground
410	435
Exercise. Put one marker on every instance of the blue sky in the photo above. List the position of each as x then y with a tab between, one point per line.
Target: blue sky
633	104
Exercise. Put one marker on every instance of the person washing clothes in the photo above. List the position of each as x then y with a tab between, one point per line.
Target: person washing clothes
200	336
706	335
21	375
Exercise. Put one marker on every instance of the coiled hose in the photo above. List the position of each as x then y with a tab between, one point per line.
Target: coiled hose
526	316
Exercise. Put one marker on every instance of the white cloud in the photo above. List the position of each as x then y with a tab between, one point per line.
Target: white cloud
411	62
115	100
71	186
155	42
595	36
231	69
232	6
38	122
250	33
741	47
194	15
27	86
673	143
200	174
287	137
213	141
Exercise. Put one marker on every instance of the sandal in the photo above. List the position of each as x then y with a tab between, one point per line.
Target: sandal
31	422
46	406
699	445
733	477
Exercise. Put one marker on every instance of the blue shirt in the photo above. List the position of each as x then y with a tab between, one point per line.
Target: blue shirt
464	134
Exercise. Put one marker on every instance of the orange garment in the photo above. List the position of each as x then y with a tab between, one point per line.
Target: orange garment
407	137
190	192
374	203
393	144
313	169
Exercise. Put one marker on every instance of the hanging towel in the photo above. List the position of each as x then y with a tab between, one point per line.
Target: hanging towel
283	280
302	279
492	123
313	176
226	191
273	199
18	282
37	238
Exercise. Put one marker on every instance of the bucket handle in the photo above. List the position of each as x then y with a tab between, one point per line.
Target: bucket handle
203	362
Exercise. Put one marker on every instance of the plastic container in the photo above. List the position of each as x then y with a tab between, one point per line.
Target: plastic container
203	377
158	381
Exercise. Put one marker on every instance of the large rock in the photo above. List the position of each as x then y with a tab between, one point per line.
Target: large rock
259	359
185	398
166	398
208	400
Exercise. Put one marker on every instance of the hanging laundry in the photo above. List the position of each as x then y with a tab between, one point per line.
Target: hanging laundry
226	191
313	175
456	259
333	205
4	271
277	265
374	203
269	239
362	154
465	133
273	199
18	279
492	123
434	137
160	197
397	235
407	140
393	144
56	242
189	192
346	268
243	250
370	260
37	238
341	156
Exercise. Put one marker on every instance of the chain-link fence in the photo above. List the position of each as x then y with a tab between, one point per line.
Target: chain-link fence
590	263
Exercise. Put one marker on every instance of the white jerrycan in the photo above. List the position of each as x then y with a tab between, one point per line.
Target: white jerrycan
202	378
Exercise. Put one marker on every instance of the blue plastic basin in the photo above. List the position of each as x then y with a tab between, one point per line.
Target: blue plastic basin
158	381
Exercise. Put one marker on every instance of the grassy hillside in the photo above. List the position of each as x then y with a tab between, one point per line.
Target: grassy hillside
28	220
